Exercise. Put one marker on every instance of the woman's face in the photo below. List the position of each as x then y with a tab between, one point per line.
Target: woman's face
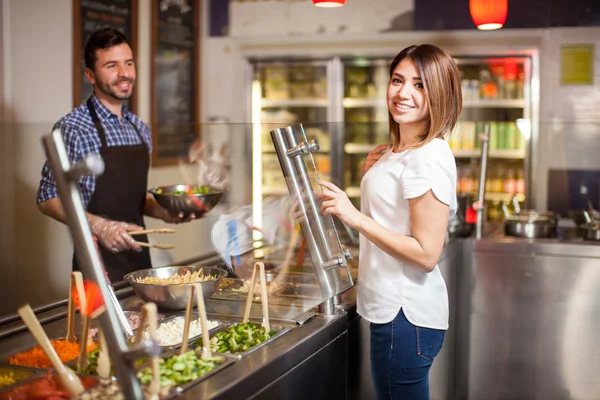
406	97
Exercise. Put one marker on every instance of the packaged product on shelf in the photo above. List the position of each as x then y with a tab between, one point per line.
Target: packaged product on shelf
276	82
487	87
520	182
509	183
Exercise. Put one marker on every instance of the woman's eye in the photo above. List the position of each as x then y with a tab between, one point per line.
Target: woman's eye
419	85
396	80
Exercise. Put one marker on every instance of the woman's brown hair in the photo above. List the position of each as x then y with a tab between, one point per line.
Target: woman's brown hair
441	82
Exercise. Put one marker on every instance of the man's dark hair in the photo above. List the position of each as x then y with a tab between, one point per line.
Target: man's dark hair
104	39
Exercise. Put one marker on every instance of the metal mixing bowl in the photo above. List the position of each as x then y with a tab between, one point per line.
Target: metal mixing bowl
199	204
172	297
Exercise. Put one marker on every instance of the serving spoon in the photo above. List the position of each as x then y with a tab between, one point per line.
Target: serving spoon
67	378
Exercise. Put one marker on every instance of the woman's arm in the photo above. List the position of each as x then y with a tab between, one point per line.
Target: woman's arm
429	221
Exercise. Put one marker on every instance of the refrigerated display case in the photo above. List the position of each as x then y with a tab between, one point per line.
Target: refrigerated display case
496	90
284	93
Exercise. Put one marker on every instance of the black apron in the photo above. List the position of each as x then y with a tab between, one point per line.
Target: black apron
120	195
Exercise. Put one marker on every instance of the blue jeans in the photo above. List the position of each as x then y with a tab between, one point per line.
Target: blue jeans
401	356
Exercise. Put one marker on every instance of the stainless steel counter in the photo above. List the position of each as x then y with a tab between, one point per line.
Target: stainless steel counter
528	320
308	361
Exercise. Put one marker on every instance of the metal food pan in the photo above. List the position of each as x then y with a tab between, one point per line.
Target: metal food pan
176	391
280	328
233	286
221	324
301	291
39	374
21	375
20	350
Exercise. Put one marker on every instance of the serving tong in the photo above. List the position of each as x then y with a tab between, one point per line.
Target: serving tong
264	299
151	245
196	289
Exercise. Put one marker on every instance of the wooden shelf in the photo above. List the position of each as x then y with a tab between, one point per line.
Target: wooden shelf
358	148
350	102
353	191
500	103
506	197
476	153
273	103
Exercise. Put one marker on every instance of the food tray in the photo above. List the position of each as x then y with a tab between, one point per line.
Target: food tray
300	291
5	360
233	286
279	327
221	324
20	374
40	374
178	390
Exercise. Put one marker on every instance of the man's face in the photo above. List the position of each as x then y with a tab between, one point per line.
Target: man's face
114	72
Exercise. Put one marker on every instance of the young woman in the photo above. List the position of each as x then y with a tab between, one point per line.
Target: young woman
408	193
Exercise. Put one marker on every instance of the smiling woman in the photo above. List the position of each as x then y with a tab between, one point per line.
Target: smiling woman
408	194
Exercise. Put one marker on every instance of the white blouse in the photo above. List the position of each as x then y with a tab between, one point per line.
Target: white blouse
385	284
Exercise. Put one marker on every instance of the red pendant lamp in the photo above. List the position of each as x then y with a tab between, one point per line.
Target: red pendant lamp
488	14
329	3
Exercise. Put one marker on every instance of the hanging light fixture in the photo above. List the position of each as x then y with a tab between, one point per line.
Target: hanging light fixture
329	3
488	14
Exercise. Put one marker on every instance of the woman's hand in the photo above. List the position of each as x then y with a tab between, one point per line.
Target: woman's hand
336	202
373	156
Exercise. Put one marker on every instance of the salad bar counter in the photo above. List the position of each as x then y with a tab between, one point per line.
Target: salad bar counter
303	354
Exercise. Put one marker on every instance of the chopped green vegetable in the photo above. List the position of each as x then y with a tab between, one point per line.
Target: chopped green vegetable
180	369
238	338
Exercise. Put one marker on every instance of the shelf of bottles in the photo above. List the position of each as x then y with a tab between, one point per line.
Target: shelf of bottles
493	92
291	92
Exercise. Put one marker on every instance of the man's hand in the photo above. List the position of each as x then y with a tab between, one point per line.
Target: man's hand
113	235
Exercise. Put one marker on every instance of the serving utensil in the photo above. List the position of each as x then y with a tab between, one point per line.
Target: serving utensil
148	231
70	337
66	377
187	320
263	298
157	246
103	368
149	314
82	360
206	353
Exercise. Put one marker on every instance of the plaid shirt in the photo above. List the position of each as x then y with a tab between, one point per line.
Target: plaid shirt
81	138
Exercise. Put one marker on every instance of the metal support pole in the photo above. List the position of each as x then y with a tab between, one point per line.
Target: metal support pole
480	204
328	257
88	259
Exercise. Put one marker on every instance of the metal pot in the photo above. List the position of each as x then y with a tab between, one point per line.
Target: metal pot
458	226
530	224
591	233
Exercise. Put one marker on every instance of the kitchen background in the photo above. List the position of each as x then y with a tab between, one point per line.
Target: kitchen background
36	89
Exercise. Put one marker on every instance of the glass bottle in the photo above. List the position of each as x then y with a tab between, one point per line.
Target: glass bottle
520	182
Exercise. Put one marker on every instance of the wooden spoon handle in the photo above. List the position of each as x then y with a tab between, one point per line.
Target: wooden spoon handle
150	310
264	296
103	368
147	231
82	360
67	378
187	320
40	336
250	296
71	311
157	246
203	321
